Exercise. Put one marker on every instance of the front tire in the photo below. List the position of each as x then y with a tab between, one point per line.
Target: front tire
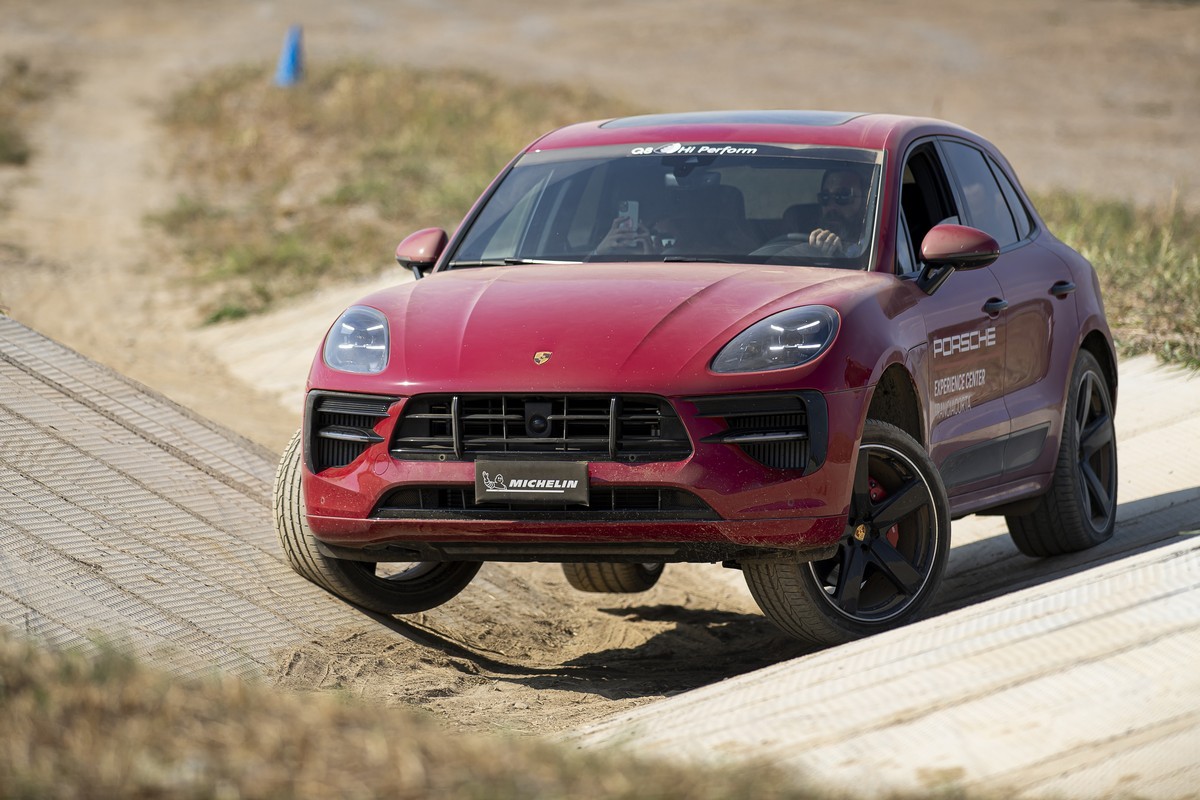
611	577
1080	510
387	588
889	561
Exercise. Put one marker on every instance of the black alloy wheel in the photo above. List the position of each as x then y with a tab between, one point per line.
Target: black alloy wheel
889	561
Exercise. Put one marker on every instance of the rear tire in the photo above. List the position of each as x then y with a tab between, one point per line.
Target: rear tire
388	588
889	561
1080	510
611	577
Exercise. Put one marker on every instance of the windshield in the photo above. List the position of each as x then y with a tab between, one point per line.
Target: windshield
750	203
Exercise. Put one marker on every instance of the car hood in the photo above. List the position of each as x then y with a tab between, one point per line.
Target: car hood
586	327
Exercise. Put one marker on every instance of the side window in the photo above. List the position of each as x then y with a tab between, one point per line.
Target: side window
986	207
925	201
1019	212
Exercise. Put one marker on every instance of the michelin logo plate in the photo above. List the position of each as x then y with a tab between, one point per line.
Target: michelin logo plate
531	482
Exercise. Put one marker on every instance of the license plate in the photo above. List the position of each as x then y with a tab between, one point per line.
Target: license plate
532	482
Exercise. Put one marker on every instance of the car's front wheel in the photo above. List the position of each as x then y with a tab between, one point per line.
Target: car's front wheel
388	588
612	577
889	561
1080	510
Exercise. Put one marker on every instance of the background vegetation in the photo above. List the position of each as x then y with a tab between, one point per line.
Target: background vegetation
22	88
291	188
1148	261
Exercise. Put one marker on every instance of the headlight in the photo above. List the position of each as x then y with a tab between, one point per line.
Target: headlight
358	341
787	339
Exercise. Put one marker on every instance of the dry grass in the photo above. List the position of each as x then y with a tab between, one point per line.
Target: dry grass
23	88
104	726
1148	261
292	188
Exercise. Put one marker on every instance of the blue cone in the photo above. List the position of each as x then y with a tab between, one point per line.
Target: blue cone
291	59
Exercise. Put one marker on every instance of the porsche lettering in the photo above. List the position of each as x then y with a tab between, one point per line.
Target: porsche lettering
964	342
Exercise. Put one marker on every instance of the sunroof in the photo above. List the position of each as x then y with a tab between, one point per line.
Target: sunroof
819	118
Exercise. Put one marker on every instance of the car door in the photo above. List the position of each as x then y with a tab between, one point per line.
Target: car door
965	337
1037	305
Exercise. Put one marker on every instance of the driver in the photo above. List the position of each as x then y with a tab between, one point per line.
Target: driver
843	202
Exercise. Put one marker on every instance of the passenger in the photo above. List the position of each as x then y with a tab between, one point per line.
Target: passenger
622	238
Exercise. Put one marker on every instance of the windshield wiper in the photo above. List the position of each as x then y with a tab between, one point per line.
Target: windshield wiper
695	260
489	262
506	262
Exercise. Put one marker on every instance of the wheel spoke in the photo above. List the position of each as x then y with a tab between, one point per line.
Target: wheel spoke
860	499
850	577
895	566
904	501
1096	436
1084	406
1097	492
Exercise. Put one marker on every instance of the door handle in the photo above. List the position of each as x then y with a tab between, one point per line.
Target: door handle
994	306
1062	289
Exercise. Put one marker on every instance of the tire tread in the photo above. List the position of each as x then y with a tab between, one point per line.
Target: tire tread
344	578
610	577
1056	525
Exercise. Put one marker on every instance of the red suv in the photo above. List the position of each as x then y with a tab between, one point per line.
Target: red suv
796	343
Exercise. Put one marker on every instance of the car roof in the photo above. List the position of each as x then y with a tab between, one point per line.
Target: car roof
834	128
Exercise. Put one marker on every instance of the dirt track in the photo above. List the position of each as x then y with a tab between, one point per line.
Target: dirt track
125	516
1101	97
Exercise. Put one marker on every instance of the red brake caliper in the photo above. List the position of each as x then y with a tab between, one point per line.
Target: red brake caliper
877	494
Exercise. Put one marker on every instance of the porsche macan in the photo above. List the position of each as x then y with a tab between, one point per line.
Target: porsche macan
795	343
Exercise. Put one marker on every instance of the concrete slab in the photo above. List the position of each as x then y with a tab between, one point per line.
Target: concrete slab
126	517
1081	685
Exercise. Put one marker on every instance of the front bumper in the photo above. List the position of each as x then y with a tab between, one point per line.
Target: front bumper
733	496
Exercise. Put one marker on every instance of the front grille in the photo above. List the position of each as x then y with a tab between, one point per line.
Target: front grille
781	431
341	426
613	503
573	426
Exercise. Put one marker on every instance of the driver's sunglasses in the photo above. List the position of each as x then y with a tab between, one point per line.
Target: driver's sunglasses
841	198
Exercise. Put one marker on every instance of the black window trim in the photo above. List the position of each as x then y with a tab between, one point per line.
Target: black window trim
945	189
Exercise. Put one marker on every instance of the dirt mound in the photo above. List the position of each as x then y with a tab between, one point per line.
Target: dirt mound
521	651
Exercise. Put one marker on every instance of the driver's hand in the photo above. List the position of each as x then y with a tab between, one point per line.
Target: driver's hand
828	242
618	240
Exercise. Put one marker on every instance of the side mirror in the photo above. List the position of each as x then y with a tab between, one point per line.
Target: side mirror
947	248
421	250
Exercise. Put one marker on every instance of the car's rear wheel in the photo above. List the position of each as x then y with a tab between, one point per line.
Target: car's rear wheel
388	588
1080	510
889	561
616	578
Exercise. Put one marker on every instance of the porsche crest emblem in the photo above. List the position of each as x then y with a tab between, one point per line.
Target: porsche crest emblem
541	357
